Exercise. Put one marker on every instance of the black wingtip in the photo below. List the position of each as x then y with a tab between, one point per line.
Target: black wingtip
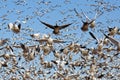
92	35
40	20
19	26
53	51
70	24
105	35
61	50
22	46
110	29
31	35
83	21
11	48
54	62
38	48
82	46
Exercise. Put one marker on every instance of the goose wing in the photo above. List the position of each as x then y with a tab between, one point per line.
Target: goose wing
64	26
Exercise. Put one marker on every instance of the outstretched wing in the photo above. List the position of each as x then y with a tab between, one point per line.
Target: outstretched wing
64	26
93	36
41	40
112	40
48	25
77	14
58	41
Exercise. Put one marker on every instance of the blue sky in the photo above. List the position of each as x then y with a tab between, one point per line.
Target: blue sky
56	11
30	7
60	12
55	8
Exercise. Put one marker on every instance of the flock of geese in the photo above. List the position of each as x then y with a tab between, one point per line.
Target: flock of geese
62	66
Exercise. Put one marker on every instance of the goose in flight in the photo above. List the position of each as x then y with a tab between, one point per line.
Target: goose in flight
89	22
50	40
3	41
56	28
115	42
14	27
35	35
